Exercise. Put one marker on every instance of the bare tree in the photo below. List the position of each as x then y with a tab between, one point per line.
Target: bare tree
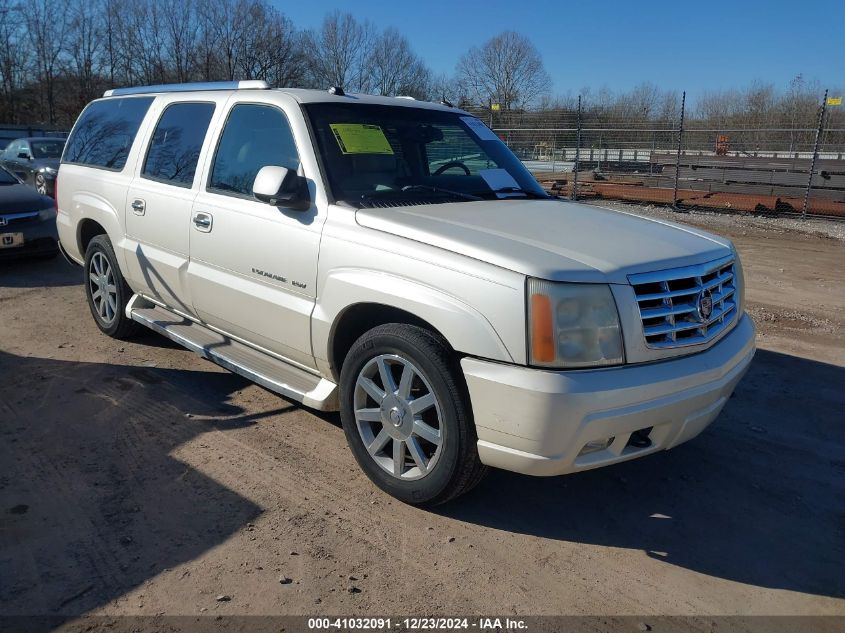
224	28
47	27
270	48
507	69
181	36
13	58
84	44
394	68
337	52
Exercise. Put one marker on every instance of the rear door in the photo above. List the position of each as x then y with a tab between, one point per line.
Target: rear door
160	197
254	266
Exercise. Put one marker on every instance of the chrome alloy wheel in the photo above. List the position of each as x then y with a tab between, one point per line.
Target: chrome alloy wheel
398	417
41	184
103	288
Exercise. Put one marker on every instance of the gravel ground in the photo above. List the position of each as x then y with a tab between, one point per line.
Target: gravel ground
138	479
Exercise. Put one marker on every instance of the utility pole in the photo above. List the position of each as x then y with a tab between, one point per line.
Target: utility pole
678	157
577	154
815	156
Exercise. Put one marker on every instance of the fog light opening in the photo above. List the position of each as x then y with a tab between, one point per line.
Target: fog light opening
640	439
596	445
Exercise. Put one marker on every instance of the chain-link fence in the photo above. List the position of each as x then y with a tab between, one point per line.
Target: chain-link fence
684	162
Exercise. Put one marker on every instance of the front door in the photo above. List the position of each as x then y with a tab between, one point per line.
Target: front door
253	266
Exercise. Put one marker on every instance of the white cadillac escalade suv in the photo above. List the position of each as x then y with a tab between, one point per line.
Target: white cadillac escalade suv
393	260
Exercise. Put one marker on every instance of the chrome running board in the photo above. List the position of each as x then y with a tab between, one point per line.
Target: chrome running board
272	373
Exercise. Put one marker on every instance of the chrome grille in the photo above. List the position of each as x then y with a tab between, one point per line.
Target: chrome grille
670	303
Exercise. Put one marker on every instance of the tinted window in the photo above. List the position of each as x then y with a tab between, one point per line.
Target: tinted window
254	136
383	156
12	150
176	143
47	149
105	131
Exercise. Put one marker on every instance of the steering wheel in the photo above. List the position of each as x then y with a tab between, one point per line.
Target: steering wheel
449	165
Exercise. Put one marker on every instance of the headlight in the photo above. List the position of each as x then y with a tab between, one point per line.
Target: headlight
47	214
573	325
49	171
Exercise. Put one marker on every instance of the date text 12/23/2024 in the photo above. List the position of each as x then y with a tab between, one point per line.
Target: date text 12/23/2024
417	624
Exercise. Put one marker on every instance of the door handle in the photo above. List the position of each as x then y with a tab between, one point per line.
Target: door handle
138	207
203	222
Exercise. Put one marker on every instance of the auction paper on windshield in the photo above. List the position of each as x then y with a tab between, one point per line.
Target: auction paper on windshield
360	138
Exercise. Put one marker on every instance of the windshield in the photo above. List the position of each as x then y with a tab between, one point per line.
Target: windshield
47	149
382	156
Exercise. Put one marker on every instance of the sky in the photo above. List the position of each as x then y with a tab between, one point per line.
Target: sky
693	46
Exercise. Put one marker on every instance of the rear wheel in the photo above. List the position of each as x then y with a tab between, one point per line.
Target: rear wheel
106	290
406	416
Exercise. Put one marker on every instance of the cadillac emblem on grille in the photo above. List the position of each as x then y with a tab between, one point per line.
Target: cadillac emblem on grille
705	305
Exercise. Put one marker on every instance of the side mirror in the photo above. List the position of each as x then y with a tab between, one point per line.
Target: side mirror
24	155
281	187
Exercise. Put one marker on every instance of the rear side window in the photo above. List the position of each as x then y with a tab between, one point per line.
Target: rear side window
254	136
176	143
105	131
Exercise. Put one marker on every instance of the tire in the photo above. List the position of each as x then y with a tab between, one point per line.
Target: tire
41	184
109	312
437	458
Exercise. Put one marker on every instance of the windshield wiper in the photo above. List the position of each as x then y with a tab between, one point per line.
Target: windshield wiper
448	192
527	192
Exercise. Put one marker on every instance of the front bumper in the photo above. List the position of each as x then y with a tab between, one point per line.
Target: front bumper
39	238
537	422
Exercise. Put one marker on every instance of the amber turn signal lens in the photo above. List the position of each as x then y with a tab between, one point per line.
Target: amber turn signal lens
542	329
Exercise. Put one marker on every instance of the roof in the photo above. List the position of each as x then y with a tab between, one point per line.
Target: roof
39	138
302	95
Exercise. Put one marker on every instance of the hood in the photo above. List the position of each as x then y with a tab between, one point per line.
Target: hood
551	239
40	163
22	198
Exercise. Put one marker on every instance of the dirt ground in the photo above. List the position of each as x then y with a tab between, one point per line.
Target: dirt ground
136	478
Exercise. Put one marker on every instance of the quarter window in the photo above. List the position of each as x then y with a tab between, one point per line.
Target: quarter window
105	131
255	136
175	147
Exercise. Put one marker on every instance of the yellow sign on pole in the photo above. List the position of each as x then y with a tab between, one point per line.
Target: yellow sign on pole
834	101
495	107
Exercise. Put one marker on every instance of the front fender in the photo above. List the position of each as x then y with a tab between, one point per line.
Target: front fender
466	329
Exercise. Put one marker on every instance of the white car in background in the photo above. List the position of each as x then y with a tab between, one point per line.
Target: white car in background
392	259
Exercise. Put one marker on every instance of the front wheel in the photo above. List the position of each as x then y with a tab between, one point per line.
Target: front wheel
406	417
41	184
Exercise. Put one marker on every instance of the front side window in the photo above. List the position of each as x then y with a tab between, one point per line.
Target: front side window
377	155
47	149
175	147
105	131
254	136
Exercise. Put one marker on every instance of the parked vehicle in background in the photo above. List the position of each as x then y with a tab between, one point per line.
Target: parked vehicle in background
35	161
27	220
393	260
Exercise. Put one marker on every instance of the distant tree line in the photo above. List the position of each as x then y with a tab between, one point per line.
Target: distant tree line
57	55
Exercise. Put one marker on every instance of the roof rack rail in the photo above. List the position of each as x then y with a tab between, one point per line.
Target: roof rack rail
254	84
